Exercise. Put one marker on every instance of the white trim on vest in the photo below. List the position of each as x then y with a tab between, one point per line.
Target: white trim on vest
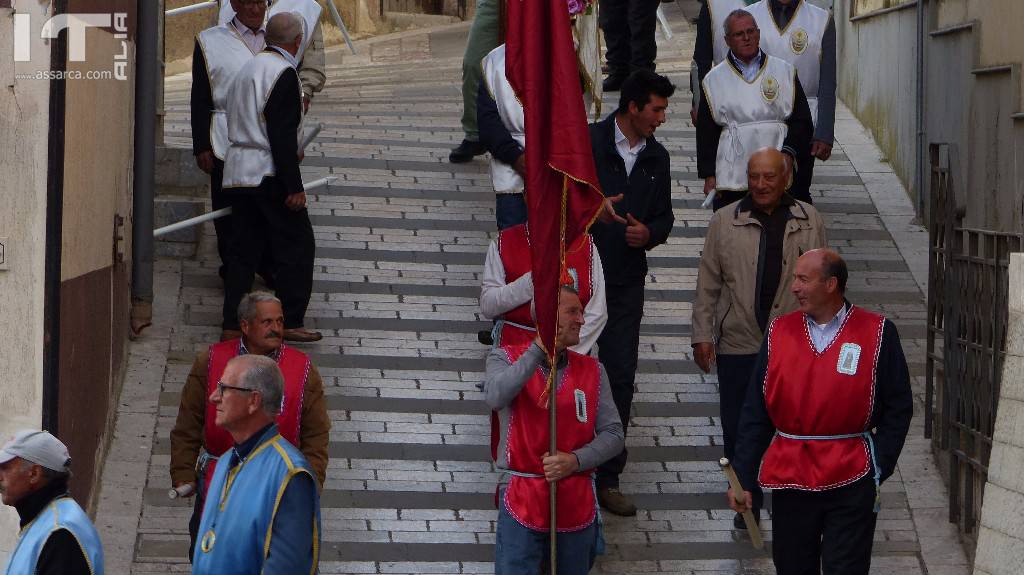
225	53
308	9
249	159
752	114
505	179
799	43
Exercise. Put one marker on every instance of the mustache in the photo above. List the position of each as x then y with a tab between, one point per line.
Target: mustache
273	335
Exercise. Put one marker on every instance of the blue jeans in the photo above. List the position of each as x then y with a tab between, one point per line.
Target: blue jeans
510	210
522	551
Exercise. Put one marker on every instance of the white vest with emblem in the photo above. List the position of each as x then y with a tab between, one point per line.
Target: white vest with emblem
504	178
249	159
799	43
752	115
719	10
308	9
225	54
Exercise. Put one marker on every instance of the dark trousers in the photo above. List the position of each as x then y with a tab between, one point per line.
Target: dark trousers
618	347
629	27
824	531
193	522
734	373
801	189
725	197
260	217
222	225
510	210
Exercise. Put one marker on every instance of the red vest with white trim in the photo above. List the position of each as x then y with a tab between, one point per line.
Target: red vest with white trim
514	248
526	498
294	365
808	393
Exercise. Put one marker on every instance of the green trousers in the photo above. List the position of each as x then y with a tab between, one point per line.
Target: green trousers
483	37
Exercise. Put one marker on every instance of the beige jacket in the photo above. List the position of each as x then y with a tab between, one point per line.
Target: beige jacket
724	308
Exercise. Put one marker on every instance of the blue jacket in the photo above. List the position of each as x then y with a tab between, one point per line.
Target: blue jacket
244	508
61	513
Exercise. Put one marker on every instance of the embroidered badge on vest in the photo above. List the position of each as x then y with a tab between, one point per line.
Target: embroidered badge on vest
849	357
798	41
581	406
769	88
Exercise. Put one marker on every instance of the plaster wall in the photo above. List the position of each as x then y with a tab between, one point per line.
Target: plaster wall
1001	537
23	167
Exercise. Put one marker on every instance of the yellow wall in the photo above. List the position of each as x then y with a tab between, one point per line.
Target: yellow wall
99	157
1000	25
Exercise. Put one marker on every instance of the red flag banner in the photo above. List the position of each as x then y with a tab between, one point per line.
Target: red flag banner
563	196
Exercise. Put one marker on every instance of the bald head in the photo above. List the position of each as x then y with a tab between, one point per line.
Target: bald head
767	178
284	30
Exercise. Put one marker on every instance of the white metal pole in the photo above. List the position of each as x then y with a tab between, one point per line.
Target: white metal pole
192	8
341	24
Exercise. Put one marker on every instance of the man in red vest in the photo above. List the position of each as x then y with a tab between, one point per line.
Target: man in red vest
589	433
507	288
196	442
825	424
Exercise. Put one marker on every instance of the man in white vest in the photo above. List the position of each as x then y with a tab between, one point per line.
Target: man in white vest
805	36
751	101
710	47
263	182
220	51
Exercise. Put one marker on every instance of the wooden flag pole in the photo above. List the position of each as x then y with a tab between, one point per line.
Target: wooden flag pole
737	494
552	450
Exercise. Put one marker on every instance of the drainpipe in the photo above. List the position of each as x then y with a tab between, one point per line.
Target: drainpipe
54	236
921	160
147	67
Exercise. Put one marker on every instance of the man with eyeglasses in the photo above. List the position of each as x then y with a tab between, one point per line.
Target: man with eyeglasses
220	52
263	512
196	440
751	101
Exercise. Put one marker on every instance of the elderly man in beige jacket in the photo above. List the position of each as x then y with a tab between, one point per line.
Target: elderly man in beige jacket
749	256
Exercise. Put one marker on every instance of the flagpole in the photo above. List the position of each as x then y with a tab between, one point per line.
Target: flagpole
553	450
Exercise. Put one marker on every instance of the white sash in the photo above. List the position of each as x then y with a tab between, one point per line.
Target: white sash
504	178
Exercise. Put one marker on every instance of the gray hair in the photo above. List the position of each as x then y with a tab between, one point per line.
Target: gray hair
260	373
247	307
283	28
49	475
737	13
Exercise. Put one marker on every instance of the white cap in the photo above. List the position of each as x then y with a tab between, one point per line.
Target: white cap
38	447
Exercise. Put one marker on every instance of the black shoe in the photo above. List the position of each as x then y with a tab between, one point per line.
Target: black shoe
485	337
612	83
466	151
613	500
738	523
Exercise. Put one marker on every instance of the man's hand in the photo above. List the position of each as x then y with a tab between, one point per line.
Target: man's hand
608	214
560	466
637	234
709	184
301	155
205	161
306	100
520	165
693	116
704	355
296	201
739	507
821	150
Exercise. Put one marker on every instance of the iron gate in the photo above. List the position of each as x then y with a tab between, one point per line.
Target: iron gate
967	318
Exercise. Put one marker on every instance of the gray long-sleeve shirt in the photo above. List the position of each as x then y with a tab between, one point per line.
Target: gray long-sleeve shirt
503	382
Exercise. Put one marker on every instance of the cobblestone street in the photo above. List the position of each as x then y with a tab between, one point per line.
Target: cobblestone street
401	237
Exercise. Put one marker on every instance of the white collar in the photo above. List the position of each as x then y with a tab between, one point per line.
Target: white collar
287	55
623	142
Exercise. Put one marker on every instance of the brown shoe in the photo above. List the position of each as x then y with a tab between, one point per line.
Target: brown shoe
302	334
615	502
226	334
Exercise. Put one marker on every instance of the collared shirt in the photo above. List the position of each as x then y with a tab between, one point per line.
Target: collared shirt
749	70
823	334
274	355
287	56
627	153
783	13
255	40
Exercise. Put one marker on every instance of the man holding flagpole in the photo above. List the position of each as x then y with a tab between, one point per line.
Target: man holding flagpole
562	200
